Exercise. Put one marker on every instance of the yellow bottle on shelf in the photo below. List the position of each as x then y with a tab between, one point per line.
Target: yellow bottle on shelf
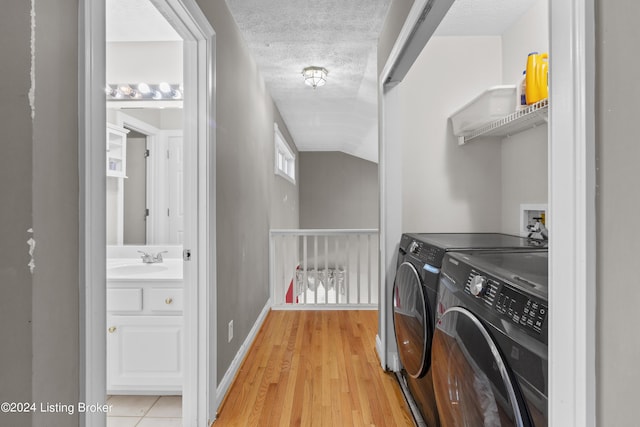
536	77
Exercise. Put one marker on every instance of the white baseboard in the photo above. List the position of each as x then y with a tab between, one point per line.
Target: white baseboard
380	350
390	359
227	380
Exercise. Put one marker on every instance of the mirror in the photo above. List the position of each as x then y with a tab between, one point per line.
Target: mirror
135	190
144	176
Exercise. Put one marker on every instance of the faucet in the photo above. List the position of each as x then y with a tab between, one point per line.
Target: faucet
537	230
158	257
148	258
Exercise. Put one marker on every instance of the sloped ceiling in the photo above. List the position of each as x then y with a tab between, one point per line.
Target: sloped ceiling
136	21
482	17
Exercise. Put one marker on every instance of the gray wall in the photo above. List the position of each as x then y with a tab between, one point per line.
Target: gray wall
337	190
617	204
135	191
55	210
250	197
39	312
16	213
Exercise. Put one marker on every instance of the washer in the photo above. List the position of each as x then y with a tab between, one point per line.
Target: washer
490	354
414	304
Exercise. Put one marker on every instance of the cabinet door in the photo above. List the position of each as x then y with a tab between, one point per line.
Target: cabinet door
116	151
144	354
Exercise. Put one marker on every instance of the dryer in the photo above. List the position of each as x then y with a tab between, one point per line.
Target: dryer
489	354
414	299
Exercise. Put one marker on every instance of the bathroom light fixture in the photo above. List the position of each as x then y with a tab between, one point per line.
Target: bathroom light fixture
144	88
126	89
164	87
315	76
144	92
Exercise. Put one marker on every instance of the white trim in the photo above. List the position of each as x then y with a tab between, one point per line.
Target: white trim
133	123
200	231
281	148
200	345
92	206
379	347
390	182
236	363
322	306
572	275
390	217
320	231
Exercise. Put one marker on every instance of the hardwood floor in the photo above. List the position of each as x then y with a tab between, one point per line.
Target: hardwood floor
314	368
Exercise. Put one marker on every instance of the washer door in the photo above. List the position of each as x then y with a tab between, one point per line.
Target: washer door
411	321
472	383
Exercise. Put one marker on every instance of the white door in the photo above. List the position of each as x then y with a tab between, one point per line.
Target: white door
175	185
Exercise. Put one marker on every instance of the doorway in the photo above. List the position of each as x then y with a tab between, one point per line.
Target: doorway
198	298
145	310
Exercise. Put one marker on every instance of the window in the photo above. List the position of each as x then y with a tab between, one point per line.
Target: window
285	160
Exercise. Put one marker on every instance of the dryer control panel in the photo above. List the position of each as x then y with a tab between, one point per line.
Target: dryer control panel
527	312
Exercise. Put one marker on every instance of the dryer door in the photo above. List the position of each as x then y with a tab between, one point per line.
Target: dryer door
472	383
411	320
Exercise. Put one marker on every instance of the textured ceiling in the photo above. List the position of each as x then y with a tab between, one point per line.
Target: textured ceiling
284	36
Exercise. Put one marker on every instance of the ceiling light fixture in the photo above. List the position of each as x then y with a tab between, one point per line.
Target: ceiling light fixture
315	76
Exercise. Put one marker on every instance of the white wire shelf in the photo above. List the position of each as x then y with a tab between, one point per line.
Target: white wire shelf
530	117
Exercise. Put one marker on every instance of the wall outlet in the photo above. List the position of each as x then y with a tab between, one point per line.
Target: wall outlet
230	330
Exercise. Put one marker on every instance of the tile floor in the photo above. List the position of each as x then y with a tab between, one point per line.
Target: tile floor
145	411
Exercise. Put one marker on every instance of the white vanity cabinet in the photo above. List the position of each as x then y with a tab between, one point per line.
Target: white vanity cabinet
144	337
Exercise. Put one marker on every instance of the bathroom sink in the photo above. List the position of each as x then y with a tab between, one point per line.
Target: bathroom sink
136	269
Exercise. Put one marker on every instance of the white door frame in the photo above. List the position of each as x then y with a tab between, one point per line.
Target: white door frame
200	298
572	259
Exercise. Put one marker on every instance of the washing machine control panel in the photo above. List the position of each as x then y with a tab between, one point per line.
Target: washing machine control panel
529	313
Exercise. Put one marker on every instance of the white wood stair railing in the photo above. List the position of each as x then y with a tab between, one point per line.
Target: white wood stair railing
324	269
